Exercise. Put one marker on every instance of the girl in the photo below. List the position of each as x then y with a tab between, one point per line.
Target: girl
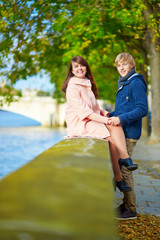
84	118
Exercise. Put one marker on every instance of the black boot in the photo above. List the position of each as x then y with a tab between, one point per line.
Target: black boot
127	162
121	185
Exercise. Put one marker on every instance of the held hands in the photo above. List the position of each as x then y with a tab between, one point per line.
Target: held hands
115	121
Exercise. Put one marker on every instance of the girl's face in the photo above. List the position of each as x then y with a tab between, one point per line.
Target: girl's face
124	68
79	70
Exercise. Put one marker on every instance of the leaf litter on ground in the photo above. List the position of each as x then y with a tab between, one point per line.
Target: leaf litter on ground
145	227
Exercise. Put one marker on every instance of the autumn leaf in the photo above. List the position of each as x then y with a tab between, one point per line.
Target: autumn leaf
145	227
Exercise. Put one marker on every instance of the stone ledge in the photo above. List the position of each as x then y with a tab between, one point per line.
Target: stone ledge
64	193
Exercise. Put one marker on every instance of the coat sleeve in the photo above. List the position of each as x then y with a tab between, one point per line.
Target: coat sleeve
75	100
111	114
141	106
104	113
98	118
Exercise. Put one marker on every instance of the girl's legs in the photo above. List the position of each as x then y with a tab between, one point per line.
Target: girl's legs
117	138
114	158
118	148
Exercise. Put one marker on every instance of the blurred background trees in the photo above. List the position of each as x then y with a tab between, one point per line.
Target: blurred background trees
46	34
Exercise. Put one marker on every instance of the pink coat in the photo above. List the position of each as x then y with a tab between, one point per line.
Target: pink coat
81	102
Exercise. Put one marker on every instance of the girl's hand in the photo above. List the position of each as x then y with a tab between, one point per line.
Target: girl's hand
109	121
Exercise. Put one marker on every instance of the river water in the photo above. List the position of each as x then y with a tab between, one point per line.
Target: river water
22	139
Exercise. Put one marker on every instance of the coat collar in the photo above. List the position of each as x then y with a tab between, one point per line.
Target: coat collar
79	81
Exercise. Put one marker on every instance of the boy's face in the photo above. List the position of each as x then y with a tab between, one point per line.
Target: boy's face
124	68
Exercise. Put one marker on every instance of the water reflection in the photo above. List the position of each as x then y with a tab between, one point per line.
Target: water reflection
9	119
19	145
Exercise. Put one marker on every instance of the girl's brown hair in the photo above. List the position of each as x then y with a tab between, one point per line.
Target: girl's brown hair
89	75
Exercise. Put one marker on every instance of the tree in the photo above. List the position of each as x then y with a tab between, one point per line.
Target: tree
142	24
9	94
152	39
47	34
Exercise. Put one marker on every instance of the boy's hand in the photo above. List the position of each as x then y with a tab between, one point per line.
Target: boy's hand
115	121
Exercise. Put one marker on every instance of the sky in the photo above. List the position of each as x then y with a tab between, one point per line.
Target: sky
40	82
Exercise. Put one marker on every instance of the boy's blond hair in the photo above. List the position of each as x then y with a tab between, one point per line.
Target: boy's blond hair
125	57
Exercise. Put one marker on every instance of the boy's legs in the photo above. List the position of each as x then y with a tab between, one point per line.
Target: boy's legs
129	197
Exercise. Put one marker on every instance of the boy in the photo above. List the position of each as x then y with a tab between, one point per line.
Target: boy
131	106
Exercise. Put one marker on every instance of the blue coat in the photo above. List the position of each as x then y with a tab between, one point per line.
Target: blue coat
131	106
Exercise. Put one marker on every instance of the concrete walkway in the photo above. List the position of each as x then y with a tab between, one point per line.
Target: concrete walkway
147	178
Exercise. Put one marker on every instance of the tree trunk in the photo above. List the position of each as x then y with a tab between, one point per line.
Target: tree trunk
155	91
154	55
145	120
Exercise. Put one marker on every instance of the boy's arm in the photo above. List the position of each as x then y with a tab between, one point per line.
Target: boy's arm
141	105
111	114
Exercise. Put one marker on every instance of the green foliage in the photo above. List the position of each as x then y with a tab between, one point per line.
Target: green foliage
38	35
43	94
8	94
